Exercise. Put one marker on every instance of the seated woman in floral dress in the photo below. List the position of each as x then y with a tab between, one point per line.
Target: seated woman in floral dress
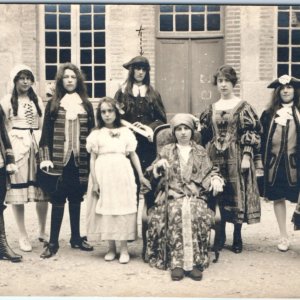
180	221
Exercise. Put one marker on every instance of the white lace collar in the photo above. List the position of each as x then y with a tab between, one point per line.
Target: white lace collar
72	103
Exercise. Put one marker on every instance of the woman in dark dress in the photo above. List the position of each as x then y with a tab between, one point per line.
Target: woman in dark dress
230	129
143	107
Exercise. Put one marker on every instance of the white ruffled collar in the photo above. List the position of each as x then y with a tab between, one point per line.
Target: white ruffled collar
72	103
285	113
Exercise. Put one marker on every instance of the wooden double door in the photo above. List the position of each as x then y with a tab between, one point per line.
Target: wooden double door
184	73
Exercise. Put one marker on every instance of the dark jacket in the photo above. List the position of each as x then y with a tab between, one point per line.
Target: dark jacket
287	147
148	110
52	141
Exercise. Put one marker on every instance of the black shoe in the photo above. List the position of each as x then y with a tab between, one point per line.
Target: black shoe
7	253
81	243
237	246
49	250
195	274
177	274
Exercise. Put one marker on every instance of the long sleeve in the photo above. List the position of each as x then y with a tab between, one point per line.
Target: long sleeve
45	147
249	130
206	126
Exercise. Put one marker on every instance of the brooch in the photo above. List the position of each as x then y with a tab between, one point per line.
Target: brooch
114	134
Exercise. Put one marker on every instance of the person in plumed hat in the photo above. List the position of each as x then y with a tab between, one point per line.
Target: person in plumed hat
281	151
143	107
24	112
179	230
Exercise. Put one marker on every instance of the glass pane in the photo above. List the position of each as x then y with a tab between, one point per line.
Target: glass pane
283	54
64	8
85	39
197	22
283	37
87	71
51	56
283	7
296	54
50	72
85	9
64	22
213	22
296	71
197	8
100	90
296	7
295	37
50	21
166	23
65	39
64	55
182	8
50	8
89	90
182	22
99	39
213	7
295	22
85	22
99	56
99	8
283	19
99	22
99	73
51	39
85	56
282	69
166	8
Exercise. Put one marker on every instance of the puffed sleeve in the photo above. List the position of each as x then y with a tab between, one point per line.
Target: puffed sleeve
131	142
206	126
250	130
92	142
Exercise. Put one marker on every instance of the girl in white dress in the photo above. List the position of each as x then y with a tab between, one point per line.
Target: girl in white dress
112	209
24	112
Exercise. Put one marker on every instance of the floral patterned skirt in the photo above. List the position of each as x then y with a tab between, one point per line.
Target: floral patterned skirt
185	243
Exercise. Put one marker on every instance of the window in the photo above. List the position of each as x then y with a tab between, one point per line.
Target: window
76	33
190	18
288	37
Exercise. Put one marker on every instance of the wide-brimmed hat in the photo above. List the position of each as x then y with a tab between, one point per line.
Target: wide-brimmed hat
138	60
283	80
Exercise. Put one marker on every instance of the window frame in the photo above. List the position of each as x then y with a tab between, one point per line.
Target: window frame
289	45
75	48
189	34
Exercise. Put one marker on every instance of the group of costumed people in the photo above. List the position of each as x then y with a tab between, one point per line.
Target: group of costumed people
186	184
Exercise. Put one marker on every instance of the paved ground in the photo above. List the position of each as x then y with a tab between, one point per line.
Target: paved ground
259	271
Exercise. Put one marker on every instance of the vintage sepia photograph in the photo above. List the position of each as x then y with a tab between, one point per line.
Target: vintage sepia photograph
150	149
